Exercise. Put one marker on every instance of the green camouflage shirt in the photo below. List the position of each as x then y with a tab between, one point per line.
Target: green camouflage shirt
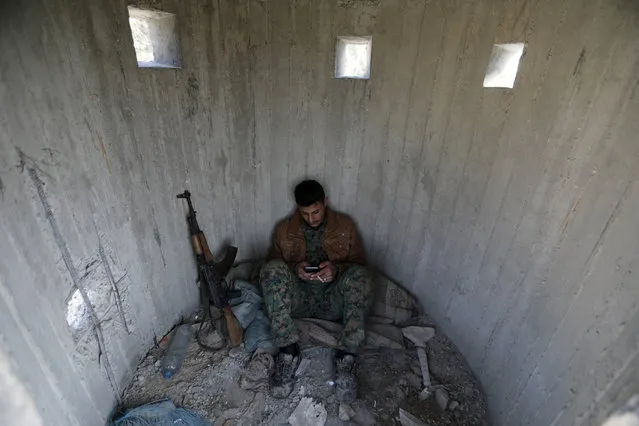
315	253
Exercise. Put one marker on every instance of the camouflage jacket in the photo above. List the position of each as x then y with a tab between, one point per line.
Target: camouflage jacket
341	240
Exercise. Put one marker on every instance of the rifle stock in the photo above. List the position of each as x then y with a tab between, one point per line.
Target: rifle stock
233	328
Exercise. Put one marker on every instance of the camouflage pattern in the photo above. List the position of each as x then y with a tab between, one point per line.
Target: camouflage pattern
286	296
315	253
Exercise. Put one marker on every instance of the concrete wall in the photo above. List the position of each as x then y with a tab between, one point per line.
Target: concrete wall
510	213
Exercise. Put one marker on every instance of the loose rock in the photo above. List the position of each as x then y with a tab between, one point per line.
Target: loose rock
253	414
426	393
230	414
407	419
414	380
237	352
441	397
308	413
346	412
363	416
453	405
301	369
235	396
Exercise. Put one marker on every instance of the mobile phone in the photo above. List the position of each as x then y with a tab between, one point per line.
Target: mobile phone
311	268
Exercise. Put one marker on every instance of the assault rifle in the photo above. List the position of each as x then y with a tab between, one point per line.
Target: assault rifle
213	288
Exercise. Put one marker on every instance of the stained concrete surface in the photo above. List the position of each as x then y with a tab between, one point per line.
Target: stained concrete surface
510	213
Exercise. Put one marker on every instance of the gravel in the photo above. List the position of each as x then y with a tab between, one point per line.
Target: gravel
388	379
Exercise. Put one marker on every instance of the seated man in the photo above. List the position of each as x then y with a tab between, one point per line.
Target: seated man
316	269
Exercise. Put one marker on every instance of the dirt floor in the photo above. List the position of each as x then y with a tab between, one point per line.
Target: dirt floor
389	379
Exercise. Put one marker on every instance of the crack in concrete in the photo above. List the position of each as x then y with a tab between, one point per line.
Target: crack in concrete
113	283
73	272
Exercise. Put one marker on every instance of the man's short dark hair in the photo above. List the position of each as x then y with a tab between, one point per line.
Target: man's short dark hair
309	192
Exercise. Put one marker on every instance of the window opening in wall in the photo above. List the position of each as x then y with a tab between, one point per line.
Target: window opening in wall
155	38
353	57
503	65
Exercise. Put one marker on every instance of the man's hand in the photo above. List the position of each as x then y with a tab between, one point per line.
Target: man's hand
327	272
299	270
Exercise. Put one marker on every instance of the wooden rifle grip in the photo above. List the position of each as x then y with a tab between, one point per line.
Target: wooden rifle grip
195	241
233	328
208	256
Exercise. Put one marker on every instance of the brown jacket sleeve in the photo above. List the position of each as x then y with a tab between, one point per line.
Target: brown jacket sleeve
356	252
275	251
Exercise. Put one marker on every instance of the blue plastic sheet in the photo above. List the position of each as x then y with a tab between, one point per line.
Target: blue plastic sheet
160	413
249	312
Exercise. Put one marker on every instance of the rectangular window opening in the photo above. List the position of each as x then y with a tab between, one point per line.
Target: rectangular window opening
503	65
155	38
353	57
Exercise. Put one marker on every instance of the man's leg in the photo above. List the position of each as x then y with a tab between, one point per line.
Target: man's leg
279	286
352	294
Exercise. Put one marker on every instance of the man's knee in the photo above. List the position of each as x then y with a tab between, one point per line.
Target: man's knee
358	276
274	266
357	289
274	274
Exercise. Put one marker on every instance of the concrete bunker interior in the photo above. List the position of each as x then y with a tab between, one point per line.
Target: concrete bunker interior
510	213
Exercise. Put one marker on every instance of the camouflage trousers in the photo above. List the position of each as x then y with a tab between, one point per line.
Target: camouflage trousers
286	296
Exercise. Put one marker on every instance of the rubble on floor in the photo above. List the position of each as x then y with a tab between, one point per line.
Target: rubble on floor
389	379
216	386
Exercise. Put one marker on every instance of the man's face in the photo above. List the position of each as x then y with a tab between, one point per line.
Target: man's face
314	214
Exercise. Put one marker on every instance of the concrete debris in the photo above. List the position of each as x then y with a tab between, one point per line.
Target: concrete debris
363	416
228	415
391	332
384	336
420	336
414	380
313	333
426	393
388	378
253	415
372	319
196	317
326	333
391	301
209	385
441	398
301	369
308	413
375	341
237	352
346	412
237	397
407	419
